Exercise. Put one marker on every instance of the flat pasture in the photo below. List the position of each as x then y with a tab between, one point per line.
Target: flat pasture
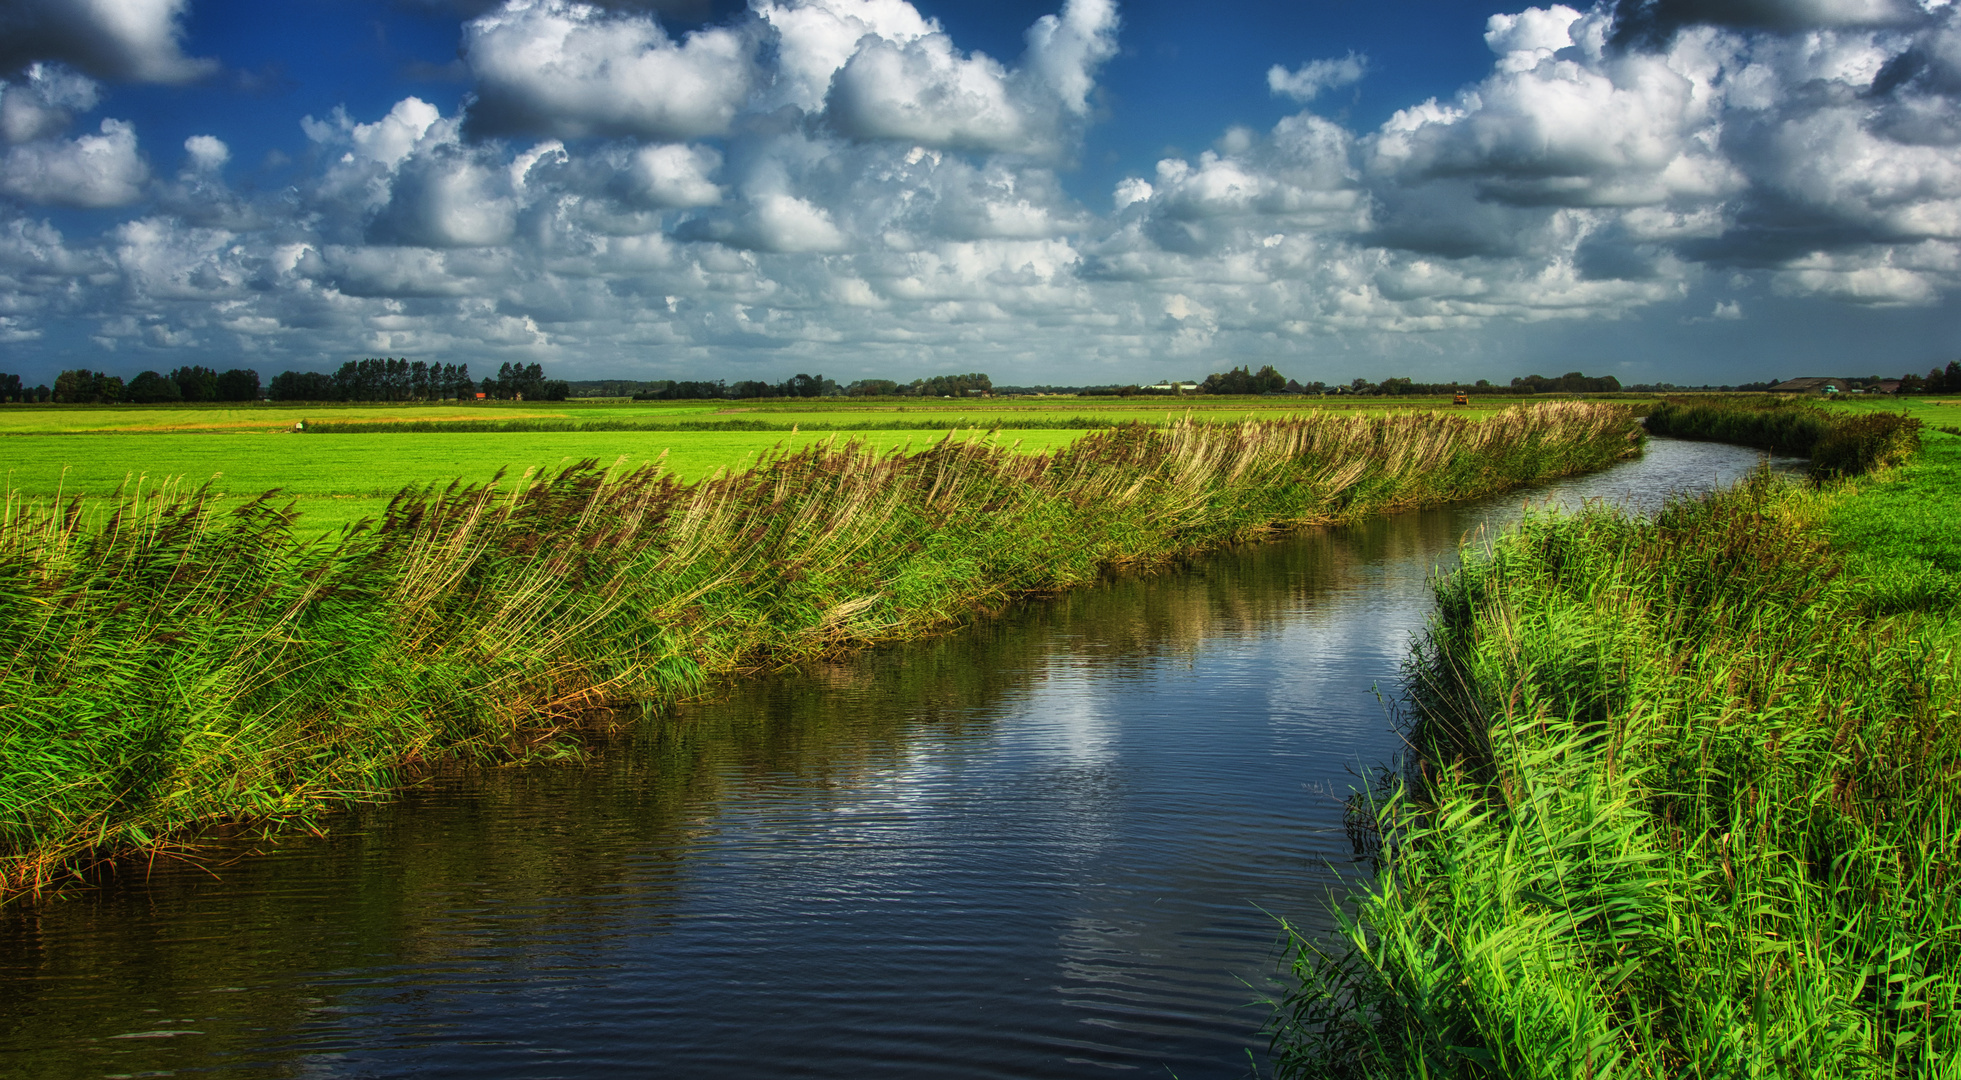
338	479
855	413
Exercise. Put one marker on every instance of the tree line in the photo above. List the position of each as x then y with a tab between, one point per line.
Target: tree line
1268	380
1945	380
374	379
83	386
394	379
810	386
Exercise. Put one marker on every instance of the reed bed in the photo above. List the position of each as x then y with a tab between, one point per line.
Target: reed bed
169	665
1839	443
1683	802
800	422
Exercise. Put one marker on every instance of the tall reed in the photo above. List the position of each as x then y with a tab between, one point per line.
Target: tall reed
838	421
1838	442
1681	805
170	664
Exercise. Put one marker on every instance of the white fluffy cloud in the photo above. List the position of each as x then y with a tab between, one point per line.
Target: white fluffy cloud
1563	121
841	185
570	70
923	89
206	153
1306	82
926	92
815	39
43	102
676	175
135	40
99	170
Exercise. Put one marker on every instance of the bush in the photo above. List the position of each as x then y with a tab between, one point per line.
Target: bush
1861	445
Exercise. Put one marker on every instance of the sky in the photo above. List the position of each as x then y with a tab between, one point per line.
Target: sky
1100	191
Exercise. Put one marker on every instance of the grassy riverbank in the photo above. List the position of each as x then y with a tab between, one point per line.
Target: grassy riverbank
1686	801
355	457
1839	441
172	665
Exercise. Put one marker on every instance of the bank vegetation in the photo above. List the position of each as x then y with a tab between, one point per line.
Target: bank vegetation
169	665
1683	799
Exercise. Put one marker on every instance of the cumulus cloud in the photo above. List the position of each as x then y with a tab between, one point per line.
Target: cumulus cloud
126	40
206	153
925	90
44	102
1651	23
448	197
361	180
676	175
1561	122
384	142
1065	51
92	171
553	67
815	39
1306	82
842	182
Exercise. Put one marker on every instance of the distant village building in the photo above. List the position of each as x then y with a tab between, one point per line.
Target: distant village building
1813	385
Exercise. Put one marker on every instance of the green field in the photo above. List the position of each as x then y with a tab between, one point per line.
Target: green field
815	412
337	479
1687	792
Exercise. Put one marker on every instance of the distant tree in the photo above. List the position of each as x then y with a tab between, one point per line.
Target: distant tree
1912	384
873	388
752	388
807	386
238	384
11	389
685	391
1241	381
969	385
1572	382
302	386
196	383
84	387
519	382
150	388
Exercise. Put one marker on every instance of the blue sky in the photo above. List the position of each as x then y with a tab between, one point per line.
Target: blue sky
1095	191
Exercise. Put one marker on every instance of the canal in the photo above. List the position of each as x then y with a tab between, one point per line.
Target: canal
1055	843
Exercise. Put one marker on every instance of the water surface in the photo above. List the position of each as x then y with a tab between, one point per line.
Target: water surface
1052	844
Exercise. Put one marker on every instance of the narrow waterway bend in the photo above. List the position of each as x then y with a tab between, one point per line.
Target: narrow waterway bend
1055	843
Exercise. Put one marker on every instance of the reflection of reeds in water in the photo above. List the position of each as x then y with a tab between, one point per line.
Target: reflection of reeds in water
169	664
1685	803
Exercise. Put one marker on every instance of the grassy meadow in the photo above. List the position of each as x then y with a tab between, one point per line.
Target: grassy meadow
337	478
174	661
1684	796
